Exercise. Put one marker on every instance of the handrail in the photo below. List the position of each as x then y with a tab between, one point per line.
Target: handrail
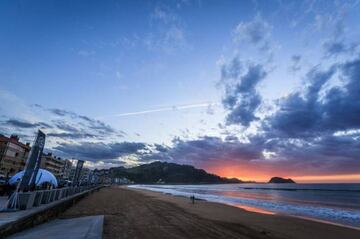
27	200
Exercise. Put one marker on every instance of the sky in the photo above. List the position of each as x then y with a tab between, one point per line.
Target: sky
246	89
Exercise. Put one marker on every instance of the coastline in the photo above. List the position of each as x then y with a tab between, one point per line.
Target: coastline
139	213
263	211
317	206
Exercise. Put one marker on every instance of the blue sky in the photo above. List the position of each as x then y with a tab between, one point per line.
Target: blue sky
173	73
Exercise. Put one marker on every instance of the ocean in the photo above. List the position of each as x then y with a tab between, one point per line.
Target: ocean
335	203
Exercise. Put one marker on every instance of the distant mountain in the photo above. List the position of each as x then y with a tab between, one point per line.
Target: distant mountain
163	172
281	180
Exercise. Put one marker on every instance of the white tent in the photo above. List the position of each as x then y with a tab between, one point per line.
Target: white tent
43	176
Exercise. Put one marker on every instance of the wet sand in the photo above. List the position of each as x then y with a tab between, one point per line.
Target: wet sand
134	213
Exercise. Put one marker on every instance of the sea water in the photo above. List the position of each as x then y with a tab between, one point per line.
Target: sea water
336	203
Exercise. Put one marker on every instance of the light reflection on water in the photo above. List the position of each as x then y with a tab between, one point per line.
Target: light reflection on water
254	209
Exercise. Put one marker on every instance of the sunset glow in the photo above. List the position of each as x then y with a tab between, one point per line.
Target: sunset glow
247	173
245	89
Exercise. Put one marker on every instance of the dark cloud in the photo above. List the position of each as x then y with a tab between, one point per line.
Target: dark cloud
327	154
312	114
101	127
73	135
25	124
100	151
94	124
60	112
206	149
318	129
337	47
334	48
231	70
241	97
161	148
231	138
82	130
63	125
341	107
300	113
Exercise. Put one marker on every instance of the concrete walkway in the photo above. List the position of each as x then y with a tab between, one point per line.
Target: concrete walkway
75	228
11	217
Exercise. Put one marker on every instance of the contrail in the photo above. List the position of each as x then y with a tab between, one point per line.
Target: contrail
168	108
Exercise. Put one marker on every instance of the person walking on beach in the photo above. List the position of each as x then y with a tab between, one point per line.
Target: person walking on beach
192	198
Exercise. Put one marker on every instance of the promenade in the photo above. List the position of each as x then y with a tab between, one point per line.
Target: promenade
30	219
75	228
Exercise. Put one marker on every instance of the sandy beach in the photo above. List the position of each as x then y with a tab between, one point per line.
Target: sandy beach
134	213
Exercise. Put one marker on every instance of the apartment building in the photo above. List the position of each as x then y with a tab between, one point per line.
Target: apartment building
13	155
53	164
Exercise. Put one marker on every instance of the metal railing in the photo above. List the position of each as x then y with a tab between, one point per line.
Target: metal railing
27	200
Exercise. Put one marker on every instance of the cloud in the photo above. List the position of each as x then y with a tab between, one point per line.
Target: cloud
161	148
265	155
335	47
326	154
58	124
298	114
83	121
295	61
210	109
164	15
333	24
167	31
312	114
312	131
25	124
316	130
204	150
256	32
241	97
73	135
99	151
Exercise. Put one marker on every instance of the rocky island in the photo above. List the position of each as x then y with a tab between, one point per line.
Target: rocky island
281	180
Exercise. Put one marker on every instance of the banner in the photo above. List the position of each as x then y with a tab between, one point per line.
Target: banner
32	163
77	173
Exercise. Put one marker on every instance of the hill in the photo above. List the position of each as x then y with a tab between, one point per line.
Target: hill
281	180
163	172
